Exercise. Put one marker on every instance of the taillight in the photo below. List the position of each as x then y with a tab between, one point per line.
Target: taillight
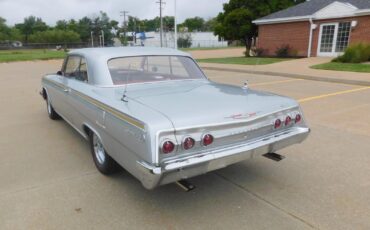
277	123
207	139
298	118
288	119
168	147
188	143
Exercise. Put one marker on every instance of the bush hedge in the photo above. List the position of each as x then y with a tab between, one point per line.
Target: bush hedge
355	54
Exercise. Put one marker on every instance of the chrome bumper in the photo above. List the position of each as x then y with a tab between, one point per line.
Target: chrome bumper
186	167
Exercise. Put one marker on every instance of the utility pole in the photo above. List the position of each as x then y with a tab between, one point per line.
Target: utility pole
102	34
124	14
92	39
161	2
175	25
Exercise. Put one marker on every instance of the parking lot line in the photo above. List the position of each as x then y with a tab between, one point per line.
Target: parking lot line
276	82
332	94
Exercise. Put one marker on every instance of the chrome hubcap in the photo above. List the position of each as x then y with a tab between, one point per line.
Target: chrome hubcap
98	150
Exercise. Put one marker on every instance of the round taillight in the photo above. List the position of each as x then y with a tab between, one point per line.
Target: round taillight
168	147
207	139
298	118
277	123
188	143
288	119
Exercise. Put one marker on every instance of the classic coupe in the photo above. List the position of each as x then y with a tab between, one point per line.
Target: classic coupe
153	112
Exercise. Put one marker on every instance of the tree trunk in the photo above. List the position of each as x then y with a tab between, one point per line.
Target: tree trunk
247	46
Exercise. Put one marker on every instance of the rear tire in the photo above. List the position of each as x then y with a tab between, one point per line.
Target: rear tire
103	162
51	112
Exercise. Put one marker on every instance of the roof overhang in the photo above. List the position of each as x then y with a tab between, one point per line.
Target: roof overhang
333	10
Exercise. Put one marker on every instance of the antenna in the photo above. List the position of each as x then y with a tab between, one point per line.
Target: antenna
124	96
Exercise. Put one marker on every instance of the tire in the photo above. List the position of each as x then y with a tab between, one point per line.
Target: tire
103	162
51	112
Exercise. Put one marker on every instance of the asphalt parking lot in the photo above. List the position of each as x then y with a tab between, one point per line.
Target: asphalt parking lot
48	179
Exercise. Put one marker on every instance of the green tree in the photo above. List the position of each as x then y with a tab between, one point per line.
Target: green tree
194	24
102	23
235	22
31	25
9	33
4	30
210	24
84	28
61	25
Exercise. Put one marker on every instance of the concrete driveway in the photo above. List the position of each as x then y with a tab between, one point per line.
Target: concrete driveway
48	179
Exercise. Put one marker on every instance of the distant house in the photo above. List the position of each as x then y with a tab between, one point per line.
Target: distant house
316	27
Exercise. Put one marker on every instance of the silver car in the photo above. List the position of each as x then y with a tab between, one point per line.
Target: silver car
154	112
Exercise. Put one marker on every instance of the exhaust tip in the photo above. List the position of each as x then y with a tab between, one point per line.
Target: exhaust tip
274	156
185	185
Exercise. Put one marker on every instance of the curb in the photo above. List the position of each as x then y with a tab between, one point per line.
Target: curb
289	75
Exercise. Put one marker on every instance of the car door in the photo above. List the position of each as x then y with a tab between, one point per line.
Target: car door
70	71
82	110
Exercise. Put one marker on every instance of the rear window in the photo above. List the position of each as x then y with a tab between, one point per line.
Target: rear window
152	68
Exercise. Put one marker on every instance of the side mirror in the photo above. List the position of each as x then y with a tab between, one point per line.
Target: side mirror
60	73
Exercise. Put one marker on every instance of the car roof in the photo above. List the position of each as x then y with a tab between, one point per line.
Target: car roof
97	59
115	52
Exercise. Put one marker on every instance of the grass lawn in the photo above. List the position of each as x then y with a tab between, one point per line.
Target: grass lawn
211	48
28	55
352	67
244	60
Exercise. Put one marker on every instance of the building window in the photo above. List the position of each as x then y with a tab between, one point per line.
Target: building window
344	29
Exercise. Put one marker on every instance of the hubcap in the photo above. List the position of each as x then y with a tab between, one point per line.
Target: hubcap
98	150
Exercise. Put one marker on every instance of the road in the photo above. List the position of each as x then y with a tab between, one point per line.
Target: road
49	181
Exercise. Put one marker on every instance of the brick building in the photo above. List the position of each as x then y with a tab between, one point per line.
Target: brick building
316	27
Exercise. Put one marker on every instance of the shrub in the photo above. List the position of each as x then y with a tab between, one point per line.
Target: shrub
184	41
55	36
283	51
355	54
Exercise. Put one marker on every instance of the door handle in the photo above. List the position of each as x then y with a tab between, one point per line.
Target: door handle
66	90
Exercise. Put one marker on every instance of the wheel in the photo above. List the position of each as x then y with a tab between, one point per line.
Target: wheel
51	112
105	164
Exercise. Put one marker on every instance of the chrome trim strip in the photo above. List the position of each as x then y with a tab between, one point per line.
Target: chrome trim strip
104	107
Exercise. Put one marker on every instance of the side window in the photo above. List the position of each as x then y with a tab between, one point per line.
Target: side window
76	68
82	76
72	66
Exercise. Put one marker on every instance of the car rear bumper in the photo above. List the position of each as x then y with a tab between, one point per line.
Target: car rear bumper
186	167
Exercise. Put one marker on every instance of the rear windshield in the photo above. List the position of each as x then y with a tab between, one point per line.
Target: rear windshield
152	68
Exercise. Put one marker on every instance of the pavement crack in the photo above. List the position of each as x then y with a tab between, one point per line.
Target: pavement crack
267	201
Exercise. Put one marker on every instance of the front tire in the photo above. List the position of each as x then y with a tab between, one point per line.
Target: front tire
51	112
103	162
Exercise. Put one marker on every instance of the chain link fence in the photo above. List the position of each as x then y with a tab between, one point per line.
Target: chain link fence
9	45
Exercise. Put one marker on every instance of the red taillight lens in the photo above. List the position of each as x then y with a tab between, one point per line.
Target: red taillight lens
277	123
188	143
207	139
298	118
168	147
288	119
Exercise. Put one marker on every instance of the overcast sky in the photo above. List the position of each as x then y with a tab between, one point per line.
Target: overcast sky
52	10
